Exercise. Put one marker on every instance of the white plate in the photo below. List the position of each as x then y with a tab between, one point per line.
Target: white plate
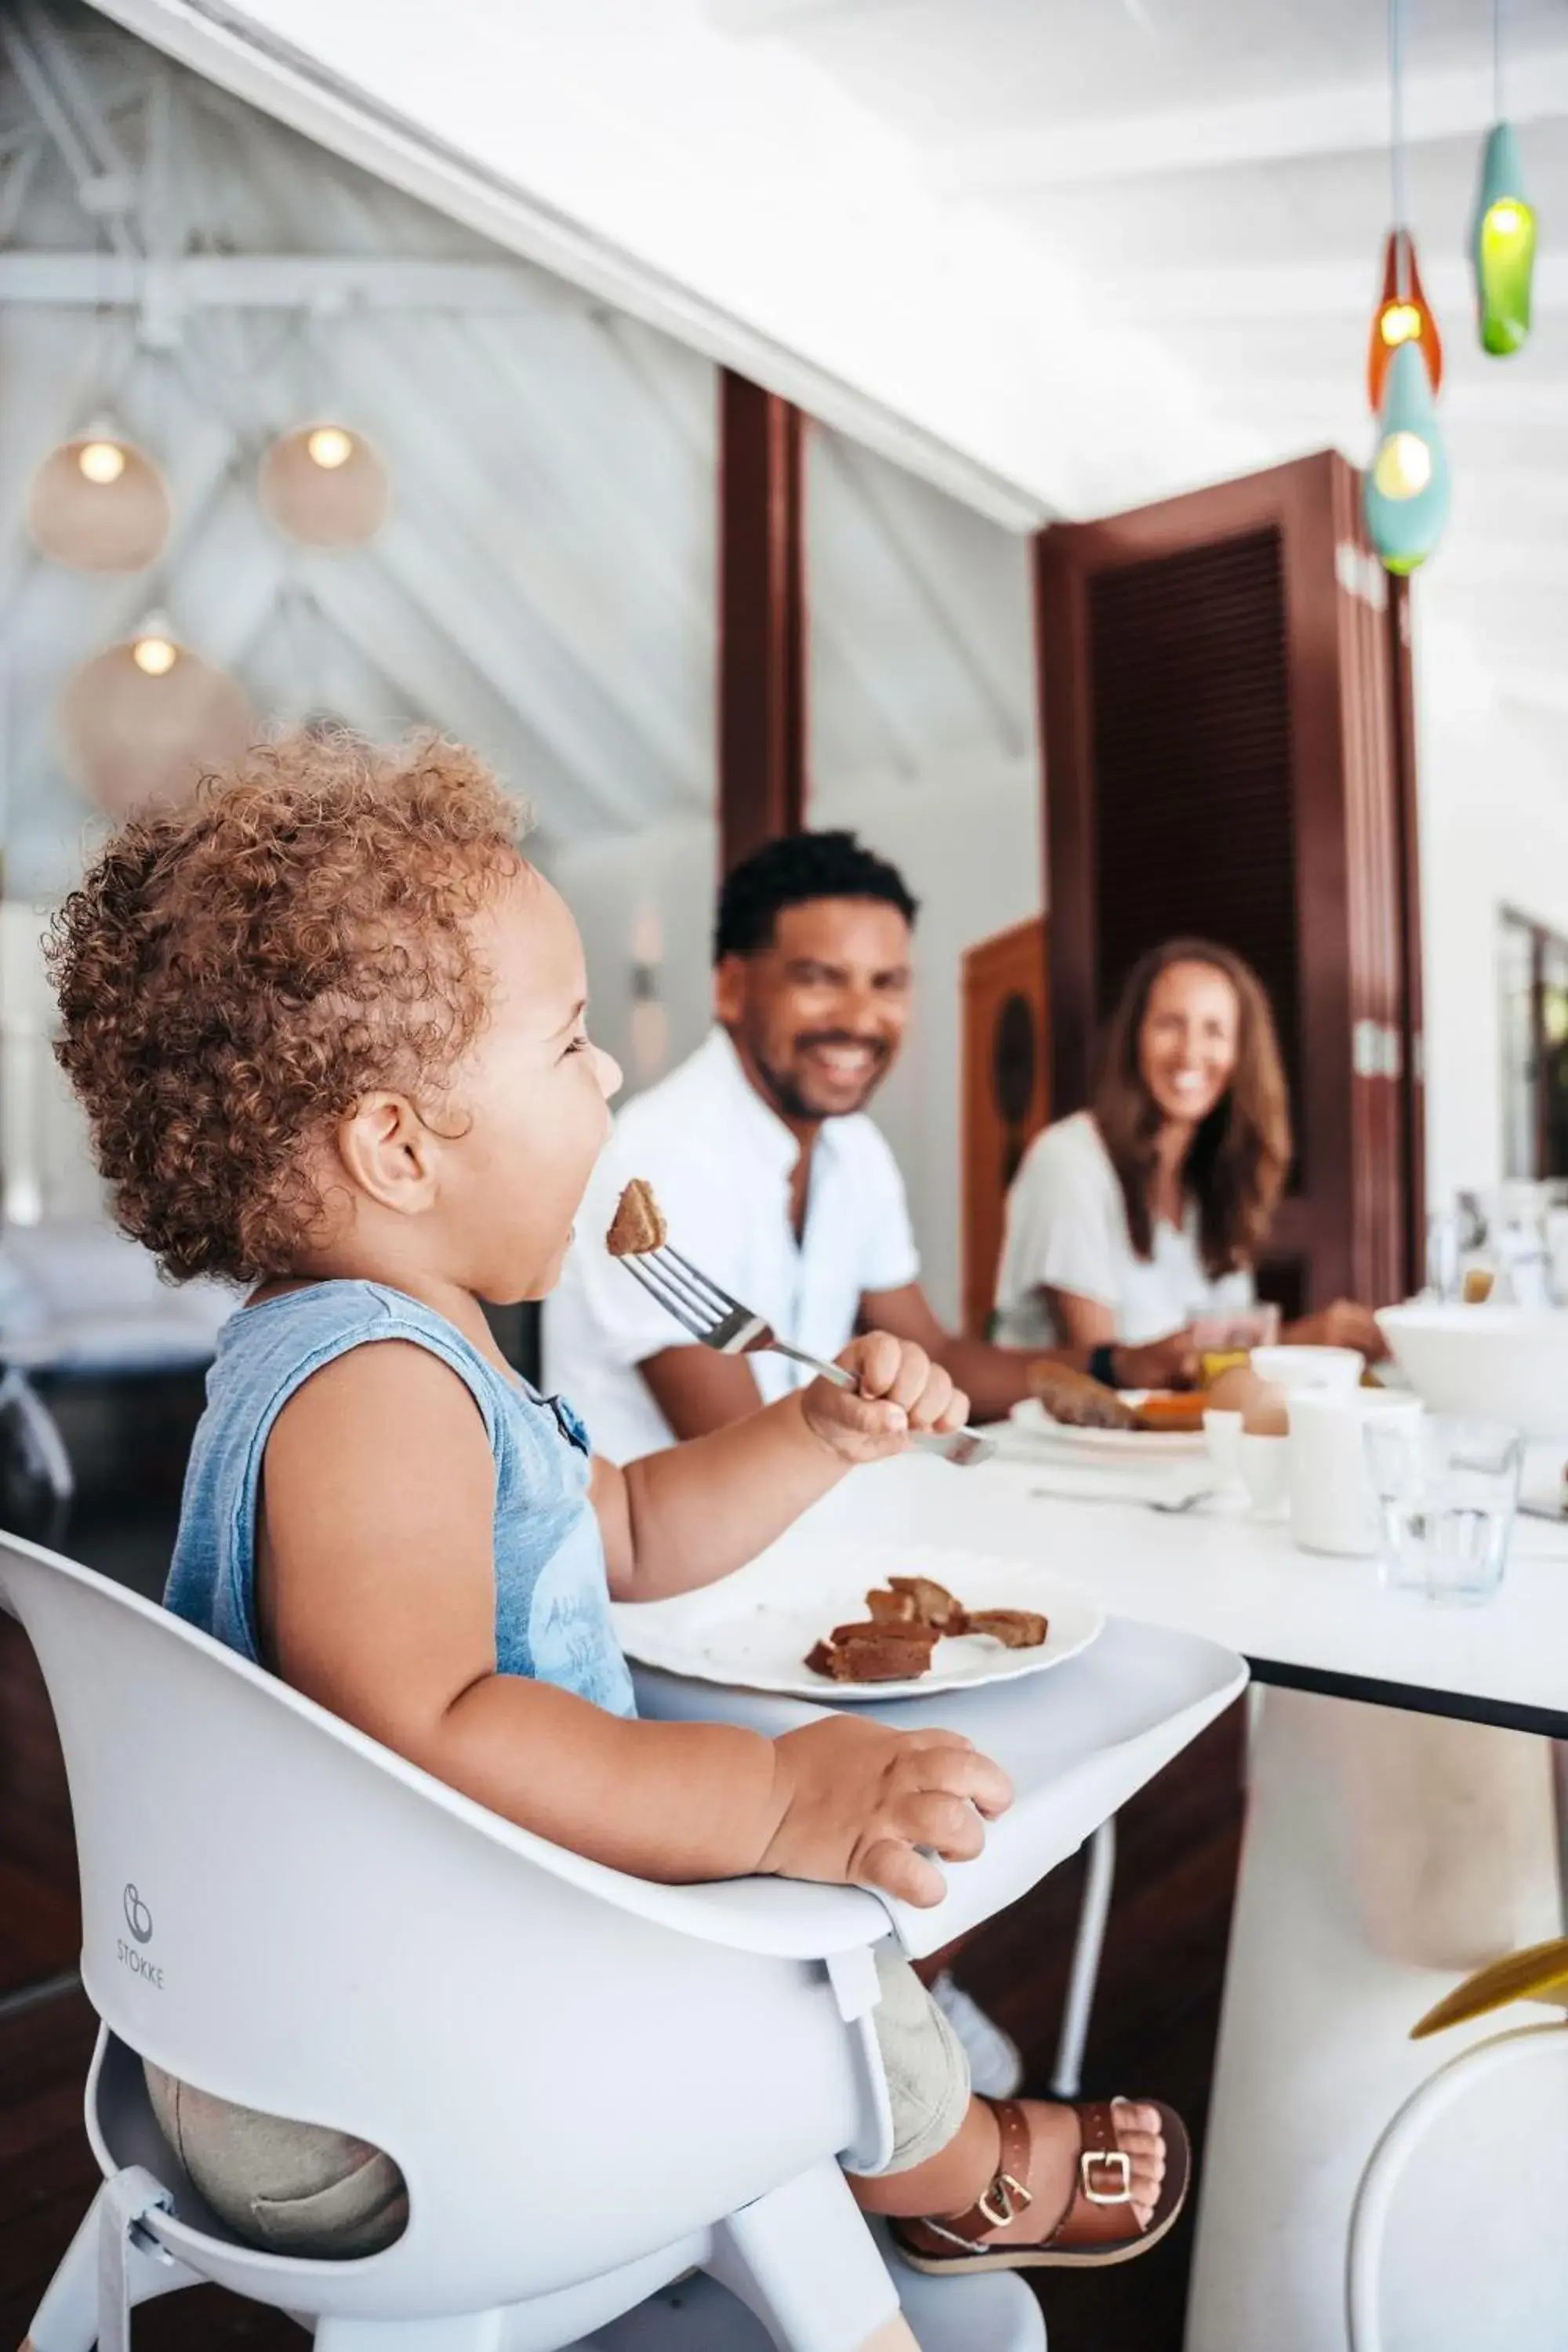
754	1630
1033	1421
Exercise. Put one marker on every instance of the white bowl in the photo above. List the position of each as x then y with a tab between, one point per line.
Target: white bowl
1309	1368
1498	1363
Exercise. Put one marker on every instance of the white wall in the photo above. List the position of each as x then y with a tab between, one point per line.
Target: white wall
967	841
1494	833
641	897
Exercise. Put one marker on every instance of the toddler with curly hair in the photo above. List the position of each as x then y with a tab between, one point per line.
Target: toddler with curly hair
328	1024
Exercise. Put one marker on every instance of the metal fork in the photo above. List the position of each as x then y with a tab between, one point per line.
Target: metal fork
1173	1507
718	1321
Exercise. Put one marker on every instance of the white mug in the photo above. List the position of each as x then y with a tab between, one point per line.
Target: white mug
1333	1504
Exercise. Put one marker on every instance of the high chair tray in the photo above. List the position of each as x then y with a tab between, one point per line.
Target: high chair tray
1076	1744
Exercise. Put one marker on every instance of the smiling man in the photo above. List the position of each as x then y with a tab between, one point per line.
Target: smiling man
772	1179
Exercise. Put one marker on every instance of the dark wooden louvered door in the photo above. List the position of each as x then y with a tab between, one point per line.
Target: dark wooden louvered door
1221	712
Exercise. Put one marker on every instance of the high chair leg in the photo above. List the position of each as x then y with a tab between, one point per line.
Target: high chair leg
67	2320
802	2260
70	2318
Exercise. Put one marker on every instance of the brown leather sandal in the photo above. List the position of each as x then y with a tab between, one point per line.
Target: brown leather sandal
1098	2227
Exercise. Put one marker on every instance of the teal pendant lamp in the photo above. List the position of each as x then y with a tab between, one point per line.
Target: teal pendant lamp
1503	246
1406	488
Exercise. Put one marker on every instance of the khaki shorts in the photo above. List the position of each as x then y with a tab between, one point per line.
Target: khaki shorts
301	2189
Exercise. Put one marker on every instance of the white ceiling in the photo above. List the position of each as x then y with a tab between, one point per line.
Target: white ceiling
1218	170
546	586
1177	207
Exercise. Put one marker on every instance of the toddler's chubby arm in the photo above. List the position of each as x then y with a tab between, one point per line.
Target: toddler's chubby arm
376	1596
687	1515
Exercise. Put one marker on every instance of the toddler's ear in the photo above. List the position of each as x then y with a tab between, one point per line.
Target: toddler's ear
389	1153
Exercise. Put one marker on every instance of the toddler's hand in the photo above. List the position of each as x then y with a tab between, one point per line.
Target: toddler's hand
859	1798
898	1389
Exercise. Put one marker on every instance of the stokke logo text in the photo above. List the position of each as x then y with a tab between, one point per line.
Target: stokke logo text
139	1919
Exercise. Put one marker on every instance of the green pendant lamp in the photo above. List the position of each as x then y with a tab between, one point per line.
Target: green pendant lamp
1406	488
1503	246
1502	236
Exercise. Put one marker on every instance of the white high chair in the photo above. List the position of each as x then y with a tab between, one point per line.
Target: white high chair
591	2083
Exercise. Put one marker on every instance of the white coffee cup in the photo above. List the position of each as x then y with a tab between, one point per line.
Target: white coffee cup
1333	1504
1264	1464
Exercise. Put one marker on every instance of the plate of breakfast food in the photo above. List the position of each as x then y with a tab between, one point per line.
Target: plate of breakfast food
1131	1424
866	1622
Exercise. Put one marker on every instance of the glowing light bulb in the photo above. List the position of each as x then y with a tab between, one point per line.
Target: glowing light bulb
101	462
1503	247
330	446
1405	491
1402	466
154	656
1398	322
1402	318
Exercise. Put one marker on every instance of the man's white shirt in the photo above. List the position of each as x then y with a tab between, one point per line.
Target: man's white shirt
719	1162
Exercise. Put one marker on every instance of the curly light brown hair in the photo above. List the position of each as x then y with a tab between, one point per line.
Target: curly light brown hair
235	973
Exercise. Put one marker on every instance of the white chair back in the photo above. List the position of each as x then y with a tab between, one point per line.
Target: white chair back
571	2067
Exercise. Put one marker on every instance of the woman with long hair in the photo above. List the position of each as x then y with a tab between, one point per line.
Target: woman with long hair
1147	1213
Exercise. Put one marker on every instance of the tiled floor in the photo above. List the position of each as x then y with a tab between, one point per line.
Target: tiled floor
1155	2027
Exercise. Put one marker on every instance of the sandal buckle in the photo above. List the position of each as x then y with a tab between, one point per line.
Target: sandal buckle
1103	2160
1004	2200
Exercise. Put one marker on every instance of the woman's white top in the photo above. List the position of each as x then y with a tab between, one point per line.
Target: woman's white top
1067	1230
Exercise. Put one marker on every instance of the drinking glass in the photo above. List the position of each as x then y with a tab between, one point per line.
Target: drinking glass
1446	1488
1444	1250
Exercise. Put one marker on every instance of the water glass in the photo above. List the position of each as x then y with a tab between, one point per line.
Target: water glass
1446	1488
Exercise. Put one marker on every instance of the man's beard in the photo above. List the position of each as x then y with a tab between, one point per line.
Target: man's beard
786	1095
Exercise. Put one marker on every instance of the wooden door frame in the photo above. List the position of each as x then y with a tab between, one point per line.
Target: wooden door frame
975	1281
1314	505
762	685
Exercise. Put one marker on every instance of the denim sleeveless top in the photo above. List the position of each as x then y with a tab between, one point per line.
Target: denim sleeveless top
552	1601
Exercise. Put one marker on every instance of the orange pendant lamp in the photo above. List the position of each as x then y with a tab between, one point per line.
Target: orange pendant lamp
1402	315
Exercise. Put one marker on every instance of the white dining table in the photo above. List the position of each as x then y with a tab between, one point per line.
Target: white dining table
1315	2055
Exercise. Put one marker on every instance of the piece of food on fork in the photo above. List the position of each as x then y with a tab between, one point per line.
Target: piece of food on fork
637	1225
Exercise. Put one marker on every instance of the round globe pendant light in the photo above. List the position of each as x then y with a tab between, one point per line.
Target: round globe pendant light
143	719
1503	246
1402	315
1406	488
99	504
325	486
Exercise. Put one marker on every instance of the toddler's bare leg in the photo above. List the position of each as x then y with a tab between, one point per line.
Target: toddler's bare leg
949	2182
893	2335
